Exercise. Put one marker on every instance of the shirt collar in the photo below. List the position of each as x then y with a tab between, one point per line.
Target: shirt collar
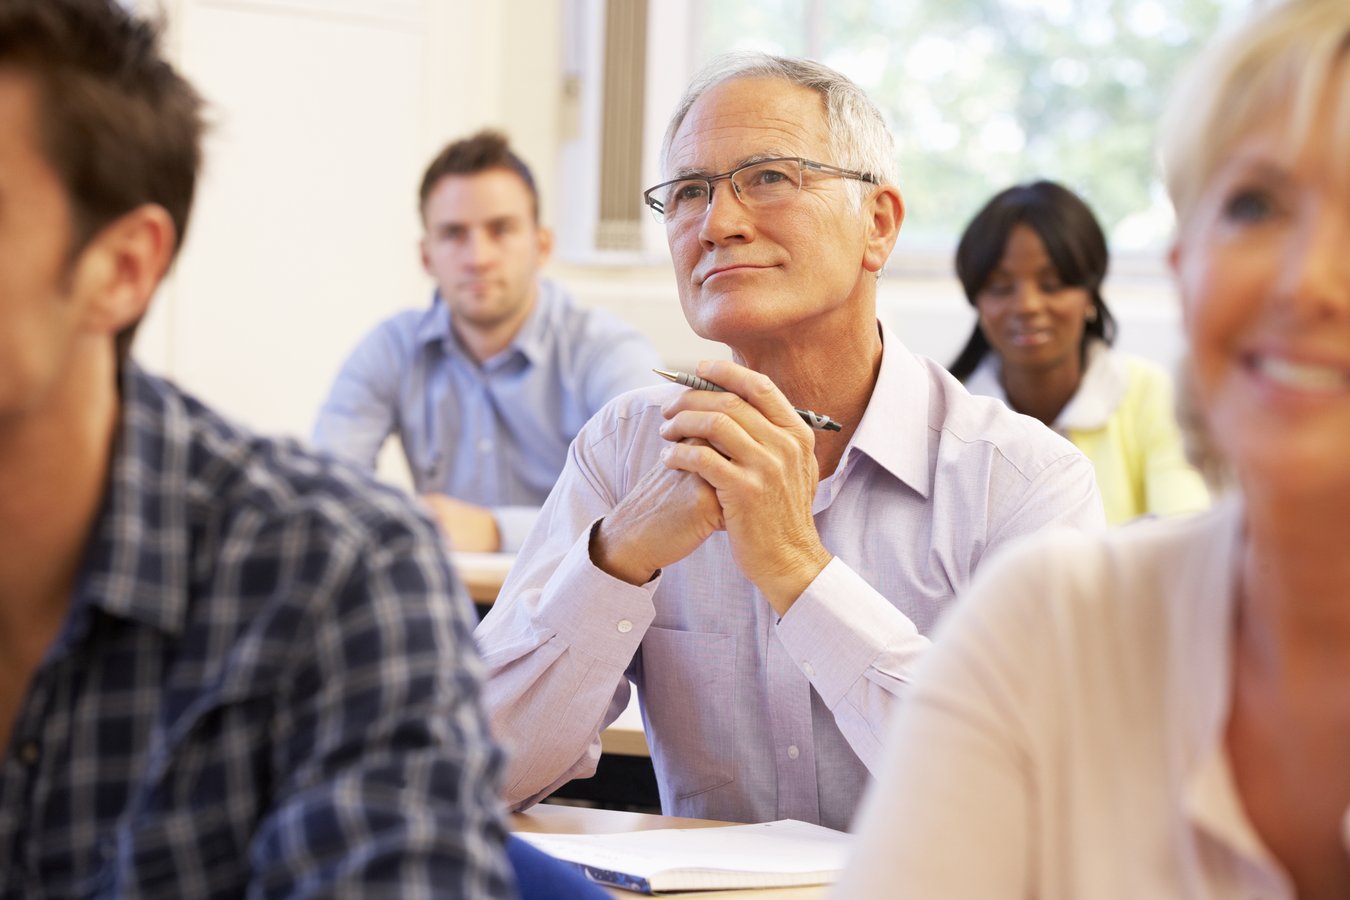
894	427
1100	390
531	341
136	562
434	326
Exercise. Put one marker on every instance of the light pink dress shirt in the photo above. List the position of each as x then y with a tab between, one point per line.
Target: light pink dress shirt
751	718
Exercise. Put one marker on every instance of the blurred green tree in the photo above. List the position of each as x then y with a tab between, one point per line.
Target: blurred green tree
982	94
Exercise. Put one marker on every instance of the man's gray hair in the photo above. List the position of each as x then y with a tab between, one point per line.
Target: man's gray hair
859	138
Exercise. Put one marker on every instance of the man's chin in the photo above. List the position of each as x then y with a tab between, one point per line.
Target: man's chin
487	315
479	298
727	324
478	302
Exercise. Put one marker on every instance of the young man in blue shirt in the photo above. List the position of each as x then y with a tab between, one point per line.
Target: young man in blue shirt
487	387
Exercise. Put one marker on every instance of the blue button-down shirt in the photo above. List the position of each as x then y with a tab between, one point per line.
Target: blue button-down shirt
494	434
266	687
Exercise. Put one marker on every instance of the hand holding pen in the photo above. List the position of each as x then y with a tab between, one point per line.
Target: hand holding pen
762	469
815	420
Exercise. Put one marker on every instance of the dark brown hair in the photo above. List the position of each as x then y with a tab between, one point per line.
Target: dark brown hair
120	127
482	152
1073	240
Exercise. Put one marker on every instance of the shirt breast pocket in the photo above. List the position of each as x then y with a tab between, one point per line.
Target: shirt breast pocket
689	697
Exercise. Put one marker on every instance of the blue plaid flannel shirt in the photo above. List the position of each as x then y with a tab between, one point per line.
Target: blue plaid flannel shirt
266	687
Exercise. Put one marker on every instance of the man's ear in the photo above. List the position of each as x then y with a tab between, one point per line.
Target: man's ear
545	237
887	211
122	266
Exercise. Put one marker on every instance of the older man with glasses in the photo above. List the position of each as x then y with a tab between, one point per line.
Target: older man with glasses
767	587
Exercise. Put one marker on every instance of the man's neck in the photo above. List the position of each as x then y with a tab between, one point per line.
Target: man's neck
53	468
833	377
485	341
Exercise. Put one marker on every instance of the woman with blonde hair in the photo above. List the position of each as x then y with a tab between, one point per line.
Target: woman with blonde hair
1164	711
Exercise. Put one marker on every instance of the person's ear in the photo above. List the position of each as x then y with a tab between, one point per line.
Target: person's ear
545	238
1175	260
426	255
122	266
887	212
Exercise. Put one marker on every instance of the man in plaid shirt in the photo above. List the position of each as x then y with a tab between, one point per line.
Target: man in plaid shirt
227	667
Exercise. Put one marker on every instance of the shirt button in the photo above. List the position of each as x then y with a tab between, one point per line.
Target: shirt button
808	669
624	626
793	752
28	753
485	446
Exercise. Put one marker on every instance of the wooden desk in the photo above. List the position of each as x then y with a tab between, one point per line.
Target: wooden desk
625	736
482	573
549	819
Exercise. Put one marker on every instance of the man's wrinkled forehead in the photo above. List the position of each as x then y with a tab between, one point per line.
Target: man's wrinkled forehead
746	119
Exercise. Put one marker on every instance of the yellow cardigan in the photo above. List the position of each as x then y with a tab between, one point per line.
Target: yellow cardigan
1122	418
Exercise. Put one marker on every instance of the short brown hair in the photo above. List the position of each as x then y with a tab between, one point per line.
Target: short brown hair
120	127
482	152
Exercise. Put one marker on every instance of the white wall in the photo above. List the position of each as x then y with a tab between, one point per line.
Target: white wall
304	233
324	114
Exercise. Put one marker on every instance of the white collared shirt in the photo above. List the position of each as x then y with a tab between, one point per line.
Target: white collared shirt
1105	381
1123	418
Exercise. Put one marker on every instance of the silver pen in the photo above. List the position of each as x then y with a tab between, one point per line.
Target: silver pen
815	420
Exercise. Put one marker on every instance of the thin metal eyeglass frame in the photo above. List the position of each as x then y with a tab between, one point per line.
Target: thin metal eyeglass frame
659	209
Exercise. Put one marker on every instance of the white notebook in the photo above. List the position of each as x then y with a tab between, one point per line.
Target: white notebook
482	565
786	853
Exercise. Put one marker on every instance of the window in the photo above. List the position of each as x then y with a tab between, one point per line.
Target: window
981	94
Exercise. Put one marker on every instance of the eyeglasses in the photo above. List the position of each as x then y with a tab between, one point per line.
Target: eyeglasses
755	184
